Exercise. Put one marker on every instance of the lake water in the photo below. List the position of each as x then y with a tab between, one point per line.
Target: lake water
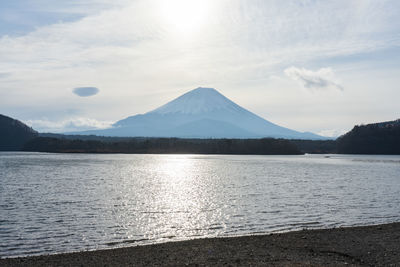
52	203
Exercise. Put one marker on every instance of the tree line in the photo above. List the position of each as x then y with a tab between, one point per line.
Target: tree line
377	138
265	146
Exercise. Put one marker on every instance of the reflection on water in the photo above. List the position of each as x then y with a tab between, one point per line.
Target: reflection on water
52	203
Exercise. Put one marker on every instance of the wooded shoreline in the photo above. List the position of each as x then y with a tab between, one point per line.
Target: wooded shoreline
264	146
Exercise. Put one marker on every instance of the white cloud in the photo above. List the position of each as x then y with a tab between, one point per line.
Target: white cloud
68	125
332	132
320	79
83	7
139	61
4	74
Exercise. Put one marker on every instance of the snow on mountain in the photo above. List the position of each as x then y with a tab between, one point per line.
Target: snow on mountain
198	101
200	113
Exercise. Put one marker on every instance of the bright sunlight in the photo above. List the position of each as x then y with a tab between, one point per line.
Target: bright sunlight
185	16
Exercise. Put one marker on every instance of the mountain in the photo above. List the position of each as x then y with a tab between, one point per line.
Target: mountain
200	113
14	134
374	138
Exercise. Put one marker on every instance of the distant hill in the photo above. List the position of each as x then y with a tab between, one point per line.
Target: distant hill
200	113
375	138
14	134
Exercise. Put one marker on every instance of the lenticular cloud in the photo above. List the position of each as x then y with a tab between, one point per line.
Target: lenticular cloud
86	91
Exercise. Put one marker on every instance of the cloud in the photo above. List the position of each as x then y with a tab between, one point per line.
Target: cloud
68	125
4	74
320	79
333	132
86	91
139	61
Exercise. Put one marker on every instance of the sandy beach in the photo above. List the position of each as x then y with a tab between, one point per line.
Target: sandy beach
377	245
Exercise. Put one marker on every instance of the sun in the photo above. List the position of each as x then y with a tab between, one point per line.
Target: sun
184	16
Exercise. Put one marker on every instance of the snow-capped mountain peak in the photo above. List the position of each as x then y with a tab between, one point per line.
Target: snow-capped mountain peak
197	101
200	113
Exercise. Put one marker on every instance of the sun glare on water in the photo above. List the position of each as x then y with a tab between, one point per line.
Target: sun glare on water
184	16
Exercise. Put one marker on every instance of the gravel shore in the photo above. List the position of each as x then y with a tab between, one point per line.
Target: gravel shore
377	245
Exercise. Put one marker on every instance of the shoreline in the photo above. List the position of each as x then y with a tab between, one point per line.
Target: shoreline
377	245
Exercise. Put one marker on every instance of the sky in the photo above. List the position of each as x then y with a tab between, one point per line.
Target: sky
318	66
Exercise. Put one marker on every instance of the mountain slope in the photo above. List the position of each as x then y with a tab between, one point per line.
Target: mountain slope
14	134
200	113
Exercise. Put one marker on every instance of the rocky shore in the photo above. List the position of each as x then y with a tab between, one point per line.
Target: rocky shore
377	245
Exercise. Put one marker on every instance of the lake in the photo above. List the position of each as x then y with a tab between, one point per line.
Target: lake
52	203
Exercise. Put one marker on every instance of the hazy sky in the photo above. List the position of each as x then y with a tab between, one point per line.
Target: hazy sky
320	66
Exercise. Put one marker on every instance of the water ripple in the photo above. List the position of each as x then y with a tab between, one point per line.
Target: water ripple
52	203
